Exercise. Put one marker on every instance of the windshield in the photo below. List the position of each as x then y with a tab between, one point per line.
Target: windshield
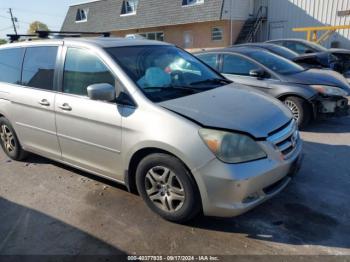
276	63
165	72
316	47
284	52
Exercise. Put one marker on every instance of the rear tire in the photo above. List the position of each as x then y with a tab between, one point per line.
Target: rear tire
168	188
301	110
9	141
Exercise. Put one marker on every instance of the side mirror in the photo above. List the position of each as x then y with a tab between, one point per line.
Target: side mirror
258	73
102	92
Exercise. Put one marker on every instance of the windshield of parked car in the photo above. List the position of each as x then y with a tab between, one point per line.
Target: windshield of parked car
316	47
165	72
276	63
282	51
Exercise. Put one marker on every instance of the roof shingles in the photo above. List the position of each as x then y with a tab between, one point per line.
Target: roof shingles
104	15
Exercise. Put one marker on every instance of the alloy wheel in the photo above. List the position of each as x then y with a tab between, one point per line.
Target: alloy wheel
7	139
293	108
164	189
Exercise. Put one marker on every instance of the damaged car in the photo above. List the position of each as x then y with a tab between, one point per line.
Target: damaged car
308	93
150	116
313	55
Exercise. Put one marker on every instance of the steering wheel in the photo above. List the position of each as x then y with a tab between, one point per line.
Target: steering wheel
177	77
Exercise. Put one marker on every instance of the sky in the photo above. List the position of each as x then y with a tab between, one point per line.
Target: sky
50	12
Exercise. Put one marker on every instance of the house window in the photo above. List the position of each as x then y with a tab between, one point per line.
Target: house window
129	7
192	2
159	36
82	15
217	34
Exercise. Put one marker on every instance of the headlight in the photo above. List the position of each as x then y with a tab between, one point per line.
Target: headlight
231	147
329	90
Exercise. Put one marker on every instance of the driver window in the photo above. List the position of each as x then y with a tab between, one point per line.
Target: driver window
237	65
83	69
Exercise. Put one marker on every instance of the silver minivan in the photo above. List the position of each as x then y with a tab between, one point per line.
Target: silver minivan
151	116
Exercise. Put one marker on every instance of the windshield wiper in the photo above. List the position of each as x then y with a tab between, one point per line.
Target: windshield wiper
212	81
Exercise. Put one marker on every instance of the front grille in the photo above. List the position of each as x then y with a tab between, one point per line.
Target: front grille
286	140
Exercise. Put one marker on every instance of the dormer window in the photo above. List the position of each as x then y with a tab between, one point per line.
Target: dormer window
192	2
129	7
82	15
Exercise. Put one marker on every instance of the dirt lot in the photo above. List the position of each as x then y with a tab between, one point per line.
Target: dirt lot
48	208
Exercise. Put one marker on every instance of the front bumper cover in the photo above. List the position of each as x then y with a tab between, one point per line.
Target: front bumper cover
334	106
231	190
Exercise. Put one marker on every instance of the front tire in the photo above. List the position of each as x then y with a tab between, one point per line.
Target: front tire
168	188
9	141
301	110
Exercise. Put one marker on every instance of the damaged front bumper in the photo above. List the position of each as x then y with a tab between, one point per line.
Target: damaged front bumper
332	106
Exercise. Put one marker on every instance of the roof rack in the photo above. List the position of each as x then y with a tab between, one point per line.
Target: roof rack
55	34
16	37
45	34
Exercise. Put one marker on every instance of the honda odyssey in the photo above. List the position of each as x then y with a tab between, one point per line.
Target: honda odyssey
150	116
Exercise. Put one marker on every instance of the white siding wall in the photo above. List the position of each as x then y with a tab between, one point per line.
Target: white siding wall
289	14
241	9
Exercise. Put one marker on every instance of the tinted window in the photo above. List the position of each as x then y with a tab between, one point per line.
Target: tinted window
10	65
39	67
237	65
83	69
276	63
209	59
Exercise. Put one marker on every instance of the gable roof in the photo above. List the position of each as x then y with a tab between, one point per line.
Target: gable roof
104	15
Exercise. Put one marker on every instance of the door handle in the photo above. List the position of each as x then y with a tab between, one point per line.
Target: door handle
44	102
65	107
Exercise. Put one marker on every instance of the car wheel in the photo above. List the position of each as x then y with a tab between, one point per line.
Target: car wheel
168	188
300	109
9	141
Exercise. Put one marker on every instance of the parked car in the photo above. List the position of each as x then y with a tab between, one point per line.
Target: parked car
307	93
335	58
318	60
151	116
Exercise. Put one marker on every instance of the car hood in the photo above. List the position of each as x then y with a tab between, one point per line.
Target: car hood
339	50
233	107
318	77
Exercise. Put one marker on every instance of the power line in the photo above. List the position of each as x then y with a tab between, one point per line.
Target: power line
39	13
3	29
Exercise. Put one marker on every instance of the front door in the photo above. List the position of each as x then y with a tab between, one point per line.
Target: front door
188	39
89	131
237	68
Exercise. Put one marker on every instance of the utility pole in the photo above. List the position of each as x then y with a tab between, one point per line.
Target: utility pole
13	19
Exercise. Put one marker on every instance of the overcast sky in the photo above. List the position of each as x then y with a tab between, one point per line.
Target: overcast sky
50	12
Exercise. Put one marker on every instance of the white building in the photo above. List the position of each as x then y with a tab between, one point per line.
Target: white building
284	15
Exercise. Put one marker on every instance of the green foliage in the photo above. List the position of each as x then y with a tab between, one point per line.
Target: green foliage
37	25
2	41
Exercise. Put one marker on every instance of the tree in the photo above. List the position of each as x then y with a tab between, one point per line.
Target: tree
37	25
2	41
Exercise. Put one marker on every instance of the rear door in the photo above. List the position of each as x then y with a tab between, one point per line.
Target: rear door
89	131
33	102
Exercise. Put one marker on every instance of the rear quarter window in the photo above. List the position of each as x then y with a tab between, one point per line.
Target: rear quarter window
10	65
